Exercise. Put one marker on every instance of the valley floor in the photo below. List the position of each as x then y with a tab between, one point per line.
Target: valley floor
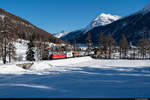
82	77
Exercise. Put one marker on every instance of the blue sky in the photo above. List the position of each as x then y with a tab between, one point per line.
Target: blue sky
68	15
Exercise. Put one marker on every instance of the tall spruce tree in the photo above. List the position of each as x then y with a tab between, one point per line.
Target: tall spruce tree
30	51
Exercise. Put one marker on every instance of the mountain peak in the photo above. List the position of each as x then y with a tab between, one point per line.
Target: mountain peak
107	15
60	34
102	20
105	19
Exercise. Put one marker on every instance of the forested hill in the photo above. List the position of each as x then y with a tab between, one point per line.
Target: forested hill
22	29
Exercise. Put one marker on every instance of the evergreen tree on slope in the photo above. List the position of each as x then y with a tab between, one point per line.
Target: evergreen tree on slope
30	52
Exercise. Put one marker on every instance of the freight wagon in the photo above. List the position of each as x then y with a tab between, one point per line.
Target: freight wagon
66	55
76	54
69	54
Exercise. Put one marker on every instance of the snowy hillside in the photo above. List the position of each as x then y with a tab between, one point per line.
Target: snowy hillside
102	20
60	34
77	77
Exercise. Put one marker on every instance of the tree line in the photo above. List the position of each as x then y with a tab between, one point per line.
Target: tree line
108	47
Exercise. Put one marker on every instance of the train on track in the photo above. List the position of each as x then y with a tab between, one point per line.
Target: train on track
67	55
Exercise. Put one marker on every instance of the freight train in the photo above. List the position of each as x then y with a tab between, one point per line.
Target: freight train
66	55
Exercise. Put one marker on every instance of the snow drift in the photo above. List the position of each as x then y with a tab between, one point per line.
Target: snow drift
67	65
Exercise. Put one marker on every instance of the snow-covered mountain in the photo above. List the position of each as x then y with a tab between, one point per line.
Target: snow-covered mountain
102	20
60	34
134	26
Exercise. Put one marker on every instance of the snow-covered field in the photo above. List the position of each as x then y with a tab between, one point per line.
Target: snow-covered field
77	77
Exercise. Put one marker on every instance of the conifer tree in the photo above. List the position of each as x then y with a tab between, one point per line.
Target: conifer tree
30	51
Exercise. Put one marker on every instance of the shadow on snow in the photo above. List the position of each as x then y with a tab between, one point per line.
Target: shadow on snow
87	82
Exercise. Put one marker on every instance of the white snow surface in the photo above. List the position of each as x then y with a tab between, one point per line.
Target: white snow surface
21	48
81	77
65	65
102	20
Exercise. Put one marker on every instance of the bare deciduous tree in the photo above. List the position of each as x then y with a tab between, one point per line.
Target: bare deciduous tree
123	47
142	44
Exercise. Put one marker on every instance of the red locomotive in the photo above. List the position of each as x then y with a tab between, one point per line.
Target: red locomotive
57	56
